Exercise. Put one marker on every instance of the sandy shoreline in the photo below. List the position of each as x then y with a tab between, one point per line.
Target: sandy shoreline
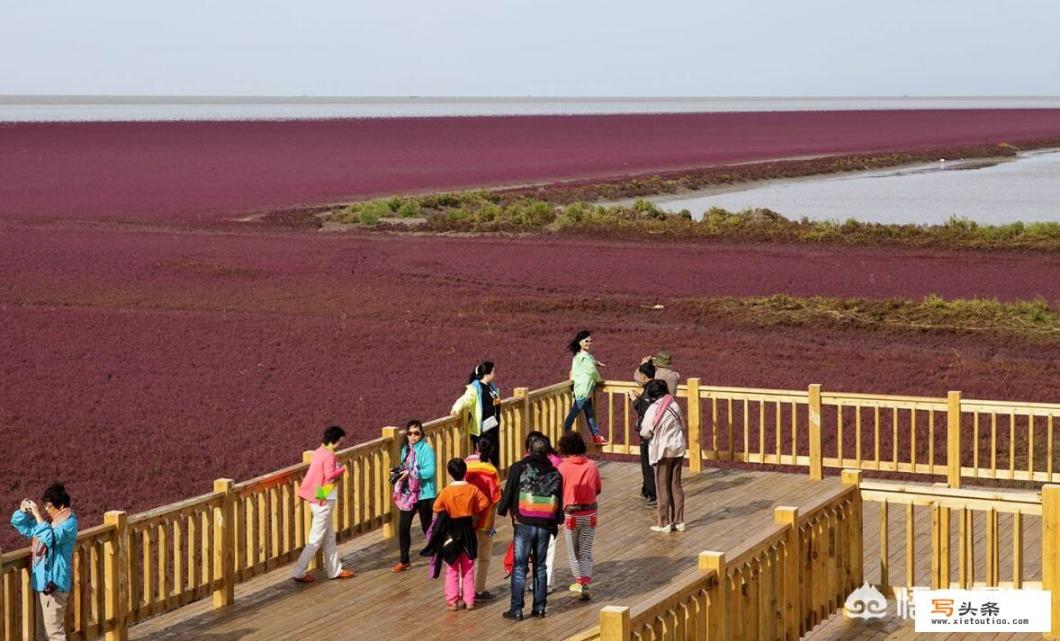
202	172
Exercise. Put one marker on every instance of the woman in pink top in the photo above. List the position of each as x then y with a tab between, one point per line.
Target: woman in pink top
318	489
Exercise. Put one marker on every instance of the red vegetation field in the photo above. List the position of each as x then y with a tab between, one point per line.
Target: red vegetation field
145	353
199	171
140	365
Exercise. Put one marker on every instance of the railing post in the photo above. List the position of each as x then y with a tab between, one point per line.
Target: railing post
224	543
953	439
789	601
816	460
115	577
695	446
393	459
718	617
857	529
614	623
514	453
1051	553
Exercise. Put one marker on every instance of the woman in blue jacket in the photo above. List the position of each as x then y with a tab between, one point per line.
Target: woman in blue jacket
414	489
53	554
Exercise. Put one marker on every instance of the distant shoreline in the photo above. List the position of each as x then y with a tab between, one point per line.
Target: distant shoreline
116	108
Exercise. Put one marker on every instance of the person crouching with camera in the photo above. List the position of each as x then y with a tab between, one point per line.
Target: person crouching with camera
52	556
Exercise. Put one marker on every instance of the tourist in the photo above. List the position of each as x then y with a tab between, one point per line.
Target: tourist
664	425
482	402
452	539
51	574
581	486
644	373
414	489
555	459
664	370
533	495
583	373
318	489
483	475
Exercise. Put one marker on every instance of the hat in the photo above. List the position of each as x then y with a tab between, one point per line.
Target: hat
662	359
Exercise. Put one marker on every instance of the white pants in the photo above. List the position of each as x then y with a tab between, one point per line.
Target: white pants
321	532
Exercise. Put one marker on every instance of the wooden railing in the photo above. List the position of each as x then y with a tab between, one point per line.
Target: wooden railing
795	574
139	566
822	430
990	548
92	606
135	567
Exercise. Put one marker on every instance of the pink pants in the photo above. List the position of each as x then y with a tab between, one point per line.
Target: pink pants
463	569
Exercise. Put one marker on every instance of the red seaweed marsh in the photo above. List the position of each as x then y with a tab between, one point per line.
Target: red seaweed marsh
204	171
174	358
141	359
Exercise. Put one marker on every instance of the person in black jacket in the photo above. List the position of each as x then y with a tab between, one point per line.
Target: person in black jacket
534	496
644	374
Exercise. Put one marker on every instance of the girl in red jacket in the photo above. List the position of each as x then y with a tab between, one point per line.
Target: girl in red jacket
581	485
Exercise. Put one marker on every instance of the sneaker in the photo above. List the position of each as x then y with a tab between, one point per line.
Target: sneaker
680	527
513	616
305	578
453	607
660	528
599	439
650	503
575	587
585	593
345	574
484	596
538	613
401	567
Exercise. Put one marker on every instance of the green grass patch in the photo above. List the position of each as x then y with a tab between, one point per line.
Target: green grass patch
492	212
1028	319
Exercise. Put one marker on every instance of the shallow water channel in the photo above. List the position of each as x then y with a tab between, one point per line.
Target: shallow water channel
1026	188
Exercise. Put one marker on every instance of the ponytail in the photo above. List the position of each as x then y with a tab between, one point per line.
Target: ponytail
482	369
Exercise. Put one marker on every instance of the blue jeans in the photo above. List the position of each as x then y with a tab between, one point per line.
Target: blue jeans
530	539
582	405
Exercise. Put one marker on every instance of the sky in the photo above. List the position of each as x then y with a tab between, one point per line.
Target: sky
576	48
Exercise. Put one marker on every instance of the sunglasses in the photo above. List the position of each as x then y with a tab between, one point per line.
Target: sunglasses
415	433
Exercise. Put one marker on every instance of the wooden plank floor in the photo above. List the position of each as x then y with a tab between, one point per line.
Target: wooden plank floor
723	509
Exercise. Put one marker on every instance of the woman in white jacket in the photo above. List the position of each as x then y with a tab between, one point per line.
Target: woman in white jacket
665	426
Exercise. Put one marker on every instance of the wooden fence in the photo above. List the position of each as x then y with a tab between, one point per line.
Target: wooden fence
134	567
951	437
779	586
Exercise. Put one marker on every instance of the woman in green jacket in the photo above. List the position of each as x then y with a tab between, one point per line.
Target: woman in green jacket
583	373
482	402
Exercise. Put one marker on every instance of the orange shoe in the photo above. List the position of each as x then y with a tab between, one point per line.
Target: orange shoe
305	578
346	574
401	567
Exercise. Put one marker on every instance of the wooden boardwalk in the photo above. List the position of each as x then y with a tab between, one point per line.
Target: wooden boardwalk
724	507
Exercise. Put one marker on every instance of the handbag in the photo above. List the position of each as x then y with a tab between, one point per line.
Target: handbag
490	423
